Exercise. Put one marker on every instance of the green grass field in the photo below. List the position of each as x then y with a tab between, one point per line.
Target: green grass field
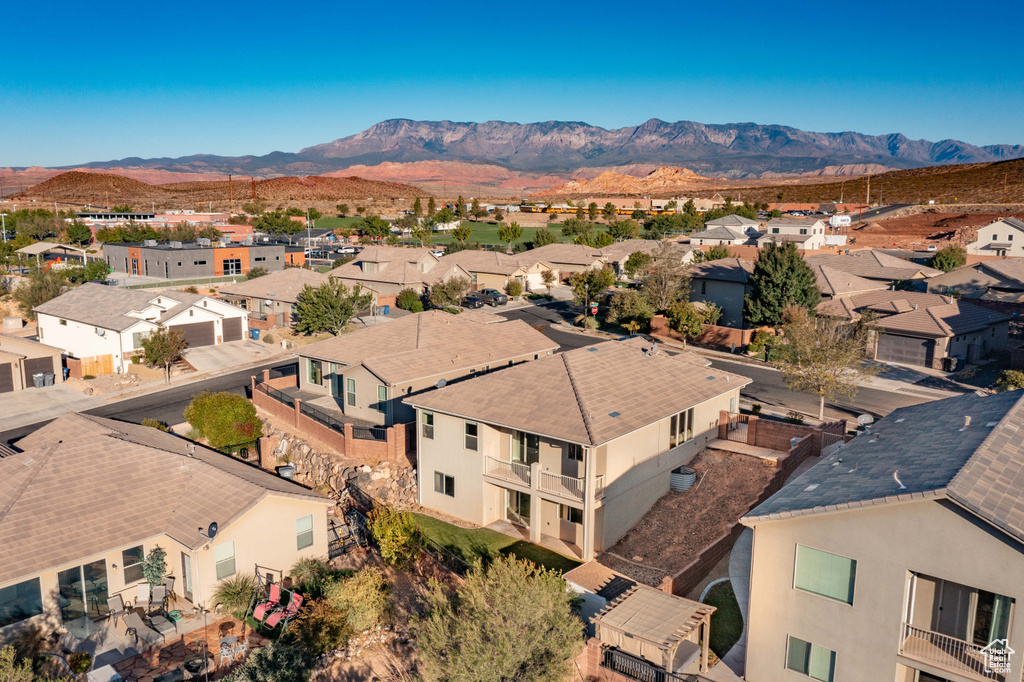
726	622
471	543
483	232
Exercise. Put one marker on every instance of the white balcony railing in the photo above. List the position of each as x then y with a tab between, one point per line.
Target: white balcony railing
947	652
516	472
566	486
599	487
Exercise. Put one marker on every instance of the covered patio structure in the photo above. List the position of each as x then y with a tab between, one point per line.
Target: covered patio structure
647	627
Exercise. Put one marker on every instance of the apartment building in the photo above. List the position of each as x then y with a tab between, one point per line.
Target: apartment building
190	260
575	447
898	557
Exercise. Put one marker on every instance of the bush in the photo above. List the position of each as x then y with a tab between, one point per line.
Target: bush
762	340
193	289
268	338
154	424
224	419
80	662
275	662
236	593
407	299
515	288
586	321
309	571
321	627
794	417
396	534
365	598
136	359
1010	380
756	408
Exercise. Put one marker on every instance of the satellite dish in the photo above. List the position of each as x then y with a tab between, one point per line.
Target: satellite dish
865	420
211	532
100	331
441	383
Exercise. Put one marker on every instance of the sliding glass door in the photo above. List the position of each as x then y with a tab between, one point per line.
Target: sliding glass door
83	591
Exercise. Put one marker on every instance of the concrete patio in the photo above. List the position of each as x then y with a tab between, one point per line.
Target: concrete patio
546	541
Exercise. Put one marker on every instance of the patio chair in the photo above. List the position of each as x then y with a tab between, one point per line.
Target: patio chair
116	607
227	656
286	613
271	604
142	596
158	598
169	585
240	650
141	631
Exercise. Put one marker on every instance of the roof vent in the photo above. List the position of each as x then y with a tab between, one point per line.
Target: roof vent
592	349
901	420
810	487
711	378
915	306
991	425
614	414
175	245
967	422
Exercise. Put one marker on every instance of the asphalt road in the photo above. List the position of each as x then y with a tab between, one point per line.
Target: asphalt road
878	212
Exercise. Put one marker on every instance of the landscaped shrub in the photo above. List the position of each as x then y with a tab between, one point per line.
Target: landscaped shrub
365	598
269	338
309	571
224	419
154	424
275	662
408	299
396	534
80	662
88	377
756	408
794	417
234	594
193	289
321	627
1010	380
515	288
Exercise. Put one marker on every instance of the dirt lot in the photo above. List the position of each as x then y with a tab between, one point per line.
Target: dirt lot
680	525
922	229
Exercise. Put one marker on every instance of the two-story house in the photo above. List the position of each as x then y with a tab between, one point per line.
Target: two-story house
730	230
1004	237
994	280
724	282
496	270
577	446
899	556
368	372
876	265
806	233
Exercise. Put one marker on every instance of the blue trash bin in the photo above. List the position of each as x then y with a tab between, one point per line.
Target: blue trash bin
254	334
387	309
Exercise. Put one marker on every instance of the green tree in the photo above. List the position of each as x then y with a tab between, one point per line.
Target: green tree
374	226
421	232
398	538
431	206
449	292
510	233
609	211
824	356
224	419
462	232
543	237
343	209
592	211
14	670
163	347
780	278
277	223
684	318
627	305
93	271
589	284
443	216
949	258
637	263
581	214
512	621
417	207
579	229
624	229
639	215
257	271
254	208
603	239
154	566
408	299
476	211
659	226
460	208
498	215
329	307
314	214
78	233
40	286
664	280
1010	380
548	277
717	252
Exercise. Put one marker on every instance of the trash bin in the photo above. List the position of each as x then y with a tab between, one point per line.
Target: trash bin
254	334
38	380
47	378
286	471
67	373
387	309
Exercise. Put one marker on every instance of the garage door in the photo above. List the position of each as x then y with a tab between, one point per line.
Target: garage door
198	333
232	329
6	378
905	350
33	365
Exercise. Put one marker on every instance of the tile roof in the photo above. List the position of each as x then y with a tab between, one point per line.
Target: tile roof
588	395
431	343
109	307
720	232
723	270
1008	268
798	238
791	221
562	254
620	251
934	455
82	485
734	221
475	260
914	313
397	266
283	285
874	264
833	282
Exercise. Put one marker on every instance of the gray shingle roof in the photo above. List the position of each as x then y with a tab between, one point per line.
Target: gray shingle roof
720	232
934	455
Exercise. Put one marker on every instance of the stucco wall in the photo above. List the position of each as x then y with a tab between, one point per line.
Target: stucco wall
727	295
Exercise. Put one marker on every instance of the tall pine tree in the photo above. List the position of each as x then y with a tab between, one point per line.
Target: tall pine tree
780	278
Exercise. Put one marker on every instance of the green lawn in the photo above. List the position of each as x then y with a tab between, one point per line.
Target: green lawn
482	231
471	543
726	622
333	223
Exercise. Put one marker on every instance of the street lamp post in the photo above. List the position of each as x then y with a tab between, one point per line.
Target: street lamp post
586	310
3	225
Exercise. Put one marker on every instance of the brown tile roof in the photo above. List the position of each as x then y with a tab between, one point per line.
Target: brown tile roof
562	254
474	260
83	485
431	343
723	270
283	285
874	264
914	313
588	395
620	251
395	265
109	307
833	282
1008	268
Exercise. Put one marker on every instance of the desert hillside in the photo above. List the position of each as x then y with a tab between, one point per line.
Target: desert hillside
664	180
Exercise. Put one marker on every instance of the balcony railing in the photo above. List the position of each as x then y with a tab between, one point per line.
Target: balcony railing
566	486
947	652
639	669
516	472
599	487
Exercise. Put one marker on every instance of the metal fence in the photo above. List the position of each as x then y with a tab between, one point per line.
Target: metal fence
279	396
379	433
186	282
639	669
322	416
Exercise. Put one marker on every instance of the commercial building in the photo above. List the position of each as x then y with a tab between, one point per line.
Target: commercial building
192	260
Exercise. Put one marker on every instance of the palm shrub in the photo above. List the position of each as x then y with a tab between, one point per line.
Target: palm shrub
310	571
236	593
365	598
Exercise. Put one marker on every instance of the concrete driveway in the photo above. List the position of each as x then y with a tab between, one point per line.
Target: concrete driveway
231	354
37	404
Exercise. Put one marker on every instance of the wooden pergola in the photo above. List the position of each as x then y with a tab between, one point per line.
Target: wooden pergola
654	625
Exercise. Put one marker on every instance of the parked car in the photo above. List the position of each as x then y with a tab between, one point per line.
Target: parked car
472	302
492	297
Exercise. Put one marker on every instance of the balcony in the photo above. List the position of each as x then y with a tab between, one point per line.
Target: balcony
514	472
569	487
948	653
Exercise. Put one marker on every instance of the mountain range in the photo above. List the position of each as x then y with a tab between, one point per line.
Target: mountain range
735	150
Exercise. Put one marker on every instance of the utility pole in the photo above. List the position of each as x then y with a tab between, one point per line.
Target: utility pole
1005	175
3	225
867	194
231	195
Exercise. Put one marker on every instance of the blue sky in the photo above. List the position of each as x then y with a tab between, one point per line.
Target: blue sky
104	80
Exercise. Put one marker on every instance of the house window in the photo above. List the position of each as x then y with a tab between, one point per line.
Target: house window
575	452
824	574
428	425
382	398
64	323
350	392
198	262
681	428
571	514
812	660
191	313
803	230
703	287
20	601
232	266
525	447
472	429
775	230
137	339
304	532
316	372
444	484
224	556
131	560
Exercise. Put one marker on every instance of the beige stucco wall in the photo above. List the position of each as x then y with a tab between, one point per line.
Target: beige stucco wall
888	542
998	233
727	295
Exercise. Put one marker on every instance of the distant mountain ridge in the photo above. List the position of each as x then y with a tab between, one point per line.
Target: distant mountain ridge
733	150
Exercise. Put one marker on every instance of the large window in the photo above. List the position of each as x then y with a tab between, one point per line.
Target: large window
525	447
472	429
567	513
681	428
131	561
20	601
304	532
224	556
428	425
812	660
232	266
444	484
825	574
350	392
316	372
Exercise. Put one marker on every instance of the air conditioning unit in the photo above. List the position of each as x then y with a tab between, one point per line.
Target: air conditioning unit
175	245
149	242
